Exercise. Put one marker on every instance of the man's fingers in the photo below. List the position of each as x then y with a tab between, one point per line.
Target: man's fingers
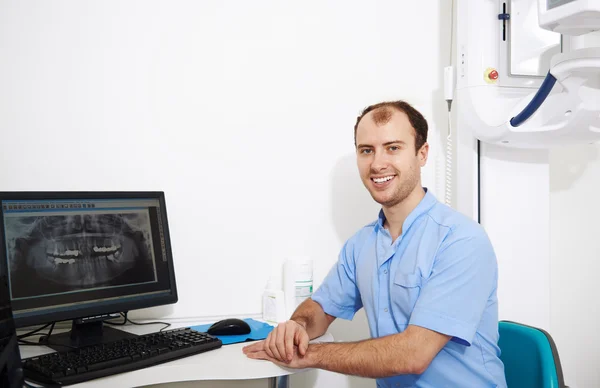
267	346
280	343
273	345
255	347
302	341
289	343
261	355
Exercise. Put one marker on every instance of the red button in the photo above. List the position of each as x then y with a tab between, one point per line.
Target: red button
493	74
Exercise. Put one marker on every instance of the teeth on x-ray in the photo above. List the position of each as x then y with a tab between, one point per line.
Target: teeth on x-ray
65	252
112	248
58	260
81	250
74	252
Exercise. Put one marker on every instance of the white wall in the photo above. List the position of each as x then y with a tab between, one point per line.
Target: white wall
515	213
242	112
575	261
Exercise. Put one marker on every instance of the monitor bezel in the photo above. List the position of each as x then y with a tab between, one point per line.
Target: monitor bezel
117	306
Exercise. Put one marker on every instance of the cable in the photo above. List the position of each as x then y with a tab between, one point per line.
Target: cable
118	323
23	342
50	331
44	340
449	95
33	331
448	196
148	323
124	315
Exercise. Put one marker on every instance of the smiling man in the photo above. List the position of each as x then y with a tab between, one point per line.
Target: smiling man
425	275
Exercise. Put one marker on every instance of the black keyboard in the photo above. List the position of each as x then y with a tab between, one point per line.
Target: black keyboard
91	362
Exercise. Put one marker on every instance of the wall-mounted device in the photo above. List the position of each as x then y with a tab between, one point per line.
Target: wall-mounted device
517	83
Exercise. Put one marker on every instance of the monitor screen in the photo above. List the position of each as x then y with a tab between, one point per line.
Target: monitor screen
79	254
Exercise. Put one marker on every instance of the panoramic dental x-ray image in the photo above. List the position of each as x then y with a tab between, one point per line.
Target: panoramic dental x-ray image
51	254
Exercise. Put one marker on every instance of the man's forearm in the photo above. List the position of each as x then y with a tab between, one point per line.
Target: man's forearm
374	358
310	314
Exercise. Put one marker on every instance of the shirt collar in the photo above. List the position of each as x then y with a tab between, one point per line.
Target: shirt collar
423	207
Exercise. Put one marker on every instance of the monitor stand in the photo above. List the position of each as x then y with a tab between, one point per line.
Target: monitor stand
85	334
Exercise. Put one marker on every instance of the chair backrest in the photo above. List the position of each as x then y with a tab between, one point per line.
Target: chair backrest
530	357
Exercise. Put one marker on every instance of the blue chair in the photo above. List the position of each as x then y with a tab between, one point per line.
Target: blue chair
530	357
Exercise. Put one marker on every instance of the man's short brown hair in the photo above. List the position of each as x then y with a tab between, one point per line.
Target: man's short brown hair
383	114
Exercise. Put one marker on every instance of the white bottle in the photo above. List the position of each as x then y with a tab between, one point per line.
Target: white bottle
273	304
297	282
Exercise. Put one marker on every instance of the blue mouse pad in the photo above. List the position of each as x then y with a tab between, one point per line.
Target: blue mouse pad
258	331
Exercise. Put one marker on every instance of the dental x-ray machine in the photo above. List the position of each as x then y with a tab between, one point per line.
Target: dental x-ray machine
527	79
519	82
526	75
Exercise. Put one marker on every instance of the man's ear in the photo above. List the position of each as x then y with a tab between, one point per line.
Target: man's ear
423	153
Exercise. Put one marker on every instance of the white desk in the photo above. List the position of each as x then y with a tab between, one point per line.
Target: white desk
225	363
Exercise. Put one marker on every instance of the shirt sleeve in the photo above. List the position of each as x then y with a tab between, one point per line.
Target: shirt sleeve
463	279
338	295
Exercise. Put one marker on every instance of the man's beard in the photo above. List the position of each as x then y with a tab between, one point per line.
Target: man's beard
402	192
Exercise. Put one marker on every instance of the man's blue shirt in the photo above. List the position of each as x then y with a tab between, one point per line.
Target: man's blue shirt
441	274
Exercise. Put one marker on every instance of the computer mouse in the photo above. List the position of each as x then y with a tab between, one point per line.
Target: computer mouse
230	326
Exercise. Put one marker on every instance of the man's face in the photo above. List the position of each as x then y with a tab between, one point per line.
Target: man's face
388	164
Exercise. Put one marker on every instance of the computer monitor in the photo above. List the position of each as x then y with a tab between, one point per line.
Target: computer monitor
11	371
83	256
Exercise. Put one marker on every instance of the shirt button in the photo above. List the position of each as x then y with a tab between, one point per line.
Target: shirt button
385	271
386	310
